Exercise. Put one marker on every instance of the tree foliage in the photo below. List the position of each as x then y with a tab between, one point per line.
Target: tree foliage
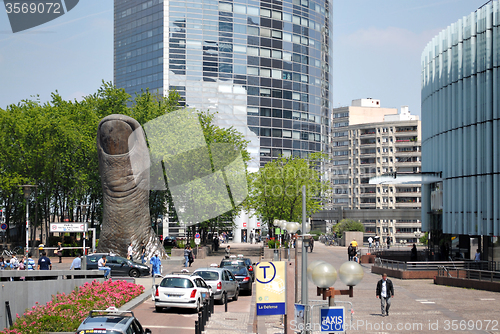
276	189
348	225
53	146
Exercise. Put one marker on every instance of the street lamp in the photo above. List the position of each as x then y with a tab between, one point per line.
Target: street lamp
418	234
324	276
27	189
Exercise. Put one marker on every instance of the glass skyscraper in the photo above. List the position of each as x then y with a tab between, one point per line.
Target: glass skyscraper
263	66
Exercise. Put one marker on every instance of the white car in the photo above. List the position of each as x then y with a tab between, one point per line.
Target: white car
182	291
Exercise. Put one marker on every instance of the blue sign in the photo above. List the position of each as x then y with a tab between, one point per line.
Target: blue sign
197	235
332	319
270	308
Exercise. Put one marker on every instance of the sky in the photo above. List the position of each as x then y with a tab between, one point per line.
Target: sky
376	48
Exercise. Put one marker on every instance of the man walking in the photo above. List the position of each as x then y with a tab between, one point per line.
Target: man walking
44	262
385	290
77	263
350	252
130	252
156	265
29	263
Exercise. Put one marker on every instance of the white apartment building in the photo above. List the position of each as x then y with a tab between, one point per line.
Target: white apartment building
366	141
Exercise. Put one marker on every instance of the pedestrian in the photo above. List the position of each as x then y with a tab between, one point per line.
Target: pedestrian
389	242
156	265
59	251
190	256
44	262
14	262
350	252
77	262
355	258
251	237
228	251
477	256
130	252
22	265
354	244
385	291
2	263
29	263
143	253
377	243
414	253
311	244
101	265
370	242
186	256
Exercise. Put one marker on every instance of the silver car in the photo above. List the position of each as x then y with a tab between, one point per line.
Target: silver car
224	284
111	321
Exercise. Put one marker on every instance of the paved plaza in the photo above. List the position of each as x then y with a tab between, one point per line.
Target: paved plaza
418	306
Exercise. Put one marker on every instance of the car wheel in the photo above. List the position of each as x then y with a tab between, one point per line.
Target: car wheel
197	309
223	299
158	309
134	273
236	295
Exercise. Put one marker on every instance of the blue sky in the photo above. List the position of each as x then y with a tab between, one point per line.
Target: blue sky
377	46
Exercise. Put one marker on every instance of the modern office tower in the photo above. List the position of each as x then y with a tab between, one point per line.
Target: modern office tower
461	131
263	66
369	141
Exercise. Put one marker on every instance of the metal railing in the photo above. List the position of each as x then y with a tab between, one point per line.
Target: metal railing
474	274
435	265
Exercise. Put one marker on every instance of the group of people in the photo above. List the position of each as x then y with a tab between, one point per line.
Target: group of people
188	256
352	251
26	263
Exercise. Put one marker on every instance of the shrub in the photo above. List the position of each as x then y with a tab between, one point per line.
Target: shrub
65	312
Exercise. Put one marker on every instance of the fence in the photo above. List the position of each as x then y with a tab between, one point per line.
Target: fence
435	265
475	274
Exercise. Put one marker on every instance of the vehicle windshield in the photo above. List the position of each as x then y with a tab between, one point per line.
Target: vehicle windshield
176	282
207	275
238	270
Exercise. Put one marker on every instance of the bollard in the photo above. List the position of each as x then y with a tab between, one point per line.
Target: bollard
205	312
225	305
200	322
196	328
213	303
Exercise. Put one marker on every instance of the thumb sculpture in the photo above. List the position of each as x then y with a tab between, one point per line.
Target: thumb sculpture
121	143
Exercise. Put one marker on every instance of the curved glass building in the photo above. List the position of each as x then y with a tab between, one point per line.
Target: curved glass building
263	66
461	125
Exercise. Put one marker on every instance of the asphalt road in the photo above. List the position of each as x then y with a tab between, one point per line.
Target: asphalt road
181	321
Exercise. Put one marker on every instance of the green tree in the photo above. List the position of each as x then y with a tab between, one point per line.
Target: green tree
348	225
276	189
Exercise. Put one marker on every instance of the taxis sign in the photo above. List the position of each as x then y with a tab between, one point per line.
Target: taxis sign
270	284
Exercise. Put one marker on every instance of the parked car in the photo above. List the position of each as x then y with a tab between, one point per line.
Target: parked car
120	266
170	241
240	261
111	321
178	290
242	276
223	283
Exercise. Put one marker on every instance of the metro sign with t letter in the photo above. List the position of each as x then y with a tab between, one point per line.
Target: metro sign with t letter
270	287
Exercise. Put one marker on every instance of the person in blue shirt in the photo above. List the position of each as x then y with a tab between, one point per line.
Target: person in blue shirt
77	263
29	264
156	268
44	262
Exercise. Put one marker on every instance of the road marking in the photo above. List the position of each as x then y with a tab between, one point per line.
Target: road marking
420	300
428	302
168	327
487	299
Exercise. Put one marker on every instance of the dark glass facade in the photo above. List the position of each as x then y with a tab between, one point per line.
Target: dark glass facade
263	66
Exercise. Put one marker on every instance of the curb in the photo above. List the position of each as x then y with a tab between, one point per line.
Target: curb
130	305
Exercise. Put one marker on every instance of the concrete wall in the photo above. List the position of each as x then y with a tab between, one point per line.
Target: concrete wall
467	283
350	236
22	295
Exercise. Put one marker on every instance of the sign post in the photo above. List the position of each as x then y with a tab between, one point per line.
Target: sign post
270	281
197	242
332	319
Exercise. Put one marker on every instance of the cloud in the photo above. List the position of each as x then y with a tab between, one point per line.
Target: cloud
389	38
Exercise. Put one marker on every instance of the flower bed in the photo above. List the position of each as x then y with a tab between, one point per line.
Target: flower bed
65	312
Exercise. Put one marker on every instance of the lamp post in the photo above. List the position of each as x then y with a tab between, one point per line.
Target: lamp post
27	189
418	234
324	276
